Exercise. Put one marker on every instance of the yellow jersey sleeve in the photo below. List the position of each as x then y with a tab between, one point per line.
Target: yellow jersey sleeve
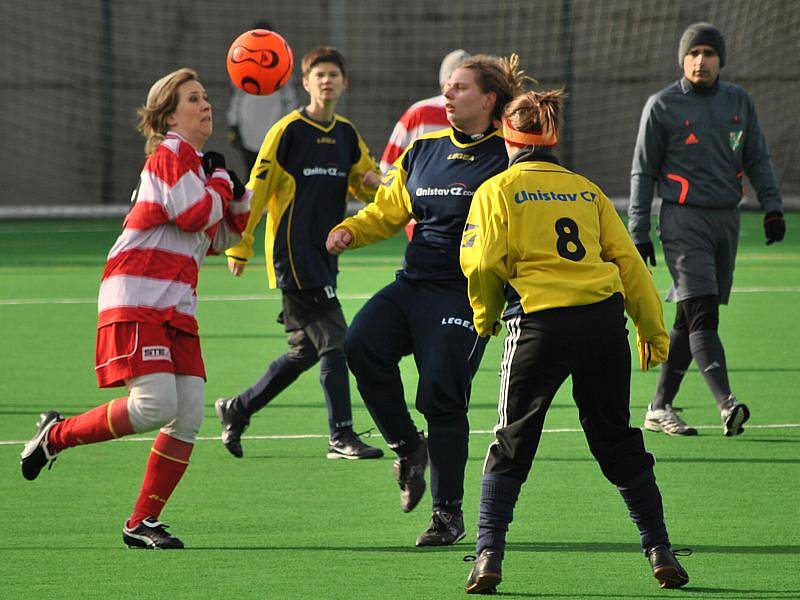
364	164
264	180
384	217
641	296
483	256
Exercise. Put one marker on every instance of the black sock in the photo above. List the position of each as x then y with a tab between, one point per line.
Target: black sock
710	357
672	371
448	444
335	380
643	499
449	506
499	495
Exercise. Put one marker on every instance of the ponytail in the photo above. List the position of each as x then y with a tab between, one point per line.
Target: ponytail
532	118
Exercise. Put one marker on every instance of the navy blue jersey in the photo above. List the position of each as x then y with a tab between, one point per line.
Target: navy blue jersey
432	182
301	177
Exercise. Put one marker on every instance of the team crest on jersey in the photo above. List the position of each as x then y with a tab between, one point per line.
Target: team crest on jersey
736	139
156	353
470	235
461	156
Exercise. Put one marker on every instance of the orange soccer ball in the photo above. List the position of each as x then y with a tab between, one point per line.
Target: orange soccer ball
260	62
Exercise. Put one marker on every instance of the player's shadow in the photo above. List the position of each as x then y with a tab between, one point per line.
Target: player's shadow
765	370
405	549
775	440
767	593
690	589
697	459
730	460
605	547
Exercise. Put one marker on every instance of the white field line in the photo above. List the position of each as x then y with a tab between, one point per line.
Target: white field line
309	436
276	297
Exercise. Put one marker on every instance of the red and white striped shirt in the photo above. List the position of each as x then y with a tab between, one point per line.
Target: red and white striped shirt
179	216
421	117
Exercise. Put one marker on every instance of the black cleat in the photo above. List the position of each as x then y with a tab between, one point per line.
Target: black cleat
410	474
666	568
445	529
233	426
349	445
486	575
36	453
152	534
734	415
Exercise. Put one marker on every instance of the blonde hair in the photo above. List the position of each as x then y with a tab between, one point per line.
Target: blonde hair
499	75
536	112
162	100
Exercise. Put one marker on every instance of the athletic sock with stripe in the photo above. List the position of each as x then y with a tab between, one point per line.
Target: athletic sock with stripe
168	460
106	422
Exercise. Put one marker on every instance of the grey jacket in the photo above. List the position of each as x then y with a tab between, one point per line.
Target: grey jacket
697	144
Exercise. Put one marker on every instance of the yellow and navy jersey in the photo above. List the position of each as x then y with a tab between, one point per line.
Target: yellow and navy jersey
544	237
301	178
433	182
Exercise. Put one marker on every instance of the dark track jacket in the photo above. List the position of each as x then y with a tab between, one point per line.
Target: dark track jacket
697	143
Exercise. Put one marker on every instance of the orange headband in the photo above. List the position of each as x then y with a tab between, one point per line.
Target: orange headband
527	138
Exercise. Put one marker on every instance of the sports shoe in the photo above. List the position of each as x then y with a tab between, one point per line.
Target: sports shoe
667	421
36	453
445	529
486	574
410	474
150	533
666	568
233	426
349	445
734	415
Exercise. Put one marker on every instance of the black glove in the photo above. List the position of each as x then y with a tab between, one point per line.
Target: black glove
211	161
238	186
648	252
774	227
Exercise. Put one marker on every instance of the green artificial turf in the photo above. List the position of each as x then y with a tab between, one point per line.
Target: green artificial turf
284	522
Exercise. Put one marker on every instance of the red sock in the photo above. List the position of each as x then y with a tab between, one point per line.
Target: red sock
106	422
165	467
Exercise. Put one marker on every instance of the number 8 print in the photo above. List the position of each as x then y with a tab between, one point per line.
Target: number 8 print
567	231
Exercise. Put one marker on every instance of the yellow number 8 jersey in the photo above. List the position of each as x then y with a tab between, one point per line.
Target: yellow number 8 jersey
556	239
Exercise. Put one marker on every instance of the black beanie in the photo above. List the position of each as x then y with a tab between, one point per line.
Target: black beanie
698	34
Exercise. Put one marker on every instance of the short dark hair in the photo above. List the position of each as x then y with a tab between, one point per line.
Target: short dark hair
323	54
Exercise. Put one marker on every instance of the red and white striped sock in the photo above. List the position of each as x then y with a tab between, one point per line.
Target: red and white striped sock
106	422
168	460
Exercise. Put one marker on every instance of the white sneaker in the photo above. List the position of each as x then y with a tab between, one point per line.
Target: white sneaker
667	421
734	415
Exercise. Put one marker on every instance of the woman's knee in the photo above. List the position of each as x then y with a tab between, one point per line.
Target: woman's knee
191	409
152	401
